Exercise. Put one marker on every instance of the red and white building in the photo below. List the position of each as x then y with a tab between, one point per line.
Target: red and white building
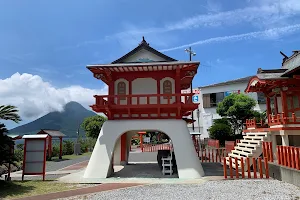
144	95
281	88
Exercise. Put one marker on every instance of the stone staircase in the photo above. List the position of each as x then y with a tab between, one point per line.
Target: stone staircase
249	147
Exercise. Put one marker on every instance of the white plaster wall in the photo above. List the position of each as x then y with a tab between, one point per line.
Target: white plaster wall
117	152
122	102
144	86
223	88
144	54
165	101
187	160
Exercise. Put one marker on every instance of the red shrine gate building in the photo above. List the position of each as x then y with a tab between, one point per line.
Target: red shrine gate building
281	88
144	95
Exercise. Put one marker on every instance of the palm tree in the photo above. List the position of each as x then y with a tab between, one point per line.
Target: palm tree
9	112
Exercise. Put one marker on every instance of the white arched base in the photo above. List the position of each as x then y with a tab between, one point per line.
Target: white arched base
188	164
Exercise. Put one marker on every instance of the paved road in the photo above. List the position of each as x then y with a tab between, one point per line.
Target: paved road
53	166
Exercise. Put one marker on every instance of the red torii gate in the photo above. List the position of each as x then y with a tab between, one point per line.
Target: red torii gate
53	134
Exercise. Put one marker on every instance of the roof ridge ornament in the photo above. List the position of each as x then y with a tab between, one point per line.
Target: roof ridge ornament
144	41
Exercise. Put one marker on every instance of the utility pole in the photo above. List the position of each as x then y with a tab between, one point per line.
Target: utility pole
191	53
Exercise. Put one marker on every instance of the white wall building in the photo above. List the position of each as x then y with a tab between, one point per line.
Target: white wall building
210	95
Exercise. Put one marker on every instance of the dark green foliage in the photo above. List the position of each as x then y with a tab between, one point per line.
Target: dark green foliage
68	147
67	121
220	131
20	146
6	143
92	125
19	154
9	112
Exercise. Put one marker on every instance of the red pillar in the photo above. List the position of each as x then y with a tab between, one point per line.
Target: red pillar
49	146
123	147
60	147
141	141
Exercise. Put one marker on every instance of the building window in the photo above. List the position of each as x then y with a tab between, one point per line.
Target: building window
167	88
121	90
212	100
261	99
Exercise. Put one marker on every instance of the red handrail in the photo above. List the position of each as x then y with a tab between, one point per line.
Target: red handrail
167	98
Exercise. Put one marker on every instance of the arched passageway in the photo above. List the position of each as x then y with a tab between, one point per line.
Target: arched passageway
102	159
143	157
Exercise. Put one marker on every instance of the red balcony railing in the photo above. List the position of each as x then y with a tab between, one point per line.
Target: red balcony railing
252	123
148	106
144	99
281	119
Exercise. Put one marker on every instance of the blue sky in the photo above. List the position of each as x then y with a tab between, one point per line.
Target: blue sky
54	40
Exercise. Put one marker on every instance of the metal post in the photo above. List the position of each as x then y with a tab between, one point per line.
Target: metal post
191	53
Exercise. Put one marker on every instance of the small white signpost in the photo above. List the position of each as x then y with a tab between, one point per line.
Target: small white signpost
34	161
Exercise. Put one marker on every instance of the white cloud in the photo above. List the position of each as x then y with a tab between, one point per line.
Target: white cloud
259	12
274	33
35	97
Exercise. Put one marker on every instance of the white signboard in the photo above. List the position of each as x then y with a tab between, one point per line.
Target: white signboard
207	123
34	155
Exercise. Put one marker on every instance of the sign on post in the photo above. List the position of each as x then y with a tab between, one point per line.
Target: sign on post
195	99
34	161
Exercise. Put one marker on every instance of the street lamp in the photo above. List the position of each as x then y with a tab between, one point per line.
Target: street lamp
191	53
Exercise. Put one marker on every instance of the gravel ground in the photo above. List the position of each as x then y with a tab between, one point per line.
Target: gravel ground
53	166
214	190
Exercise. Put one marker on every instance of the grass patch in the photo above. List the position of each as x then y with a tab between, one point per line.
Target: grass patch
69	157
19	189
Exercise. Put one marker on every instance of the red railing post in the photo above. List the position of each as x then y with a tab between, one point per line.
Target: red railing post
242	166
267	167
254	167
248	167
293	158
288	156
236	167
271	151
297	157
284	155
230	167
224	168
278	155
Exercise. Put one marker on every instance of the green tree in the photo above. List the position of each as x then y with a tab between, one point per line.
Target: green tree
92	125
7	112
220	131
237	108
5	144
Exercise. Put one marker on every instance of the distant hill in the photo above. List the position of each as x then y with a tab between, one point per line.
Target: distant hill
67	121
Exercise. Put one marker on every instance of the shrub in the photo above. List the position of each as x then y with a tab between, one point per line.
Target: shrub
55	150
19	154
221	132
68	147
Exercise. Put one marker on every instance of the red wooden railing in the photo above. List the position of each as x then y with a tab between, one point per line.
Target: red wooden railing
240	173
251	123
286	155
212	155
281	119
155	148
289	156
143	99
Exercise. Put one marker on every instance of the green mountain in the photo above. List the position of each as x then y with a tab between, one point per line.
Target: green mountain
67	121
